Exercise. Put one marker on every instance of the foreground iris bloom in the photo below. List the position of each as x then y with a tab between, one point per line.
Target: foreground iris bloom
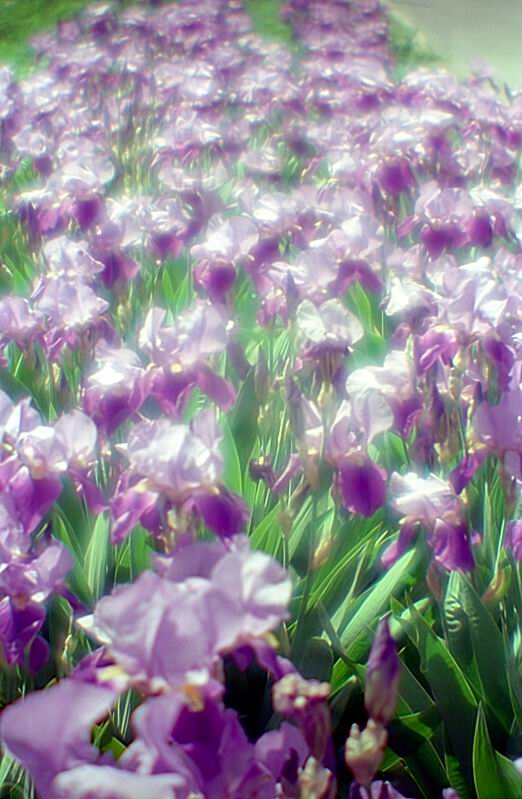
376	790
168	628
180	750
166	633
60	720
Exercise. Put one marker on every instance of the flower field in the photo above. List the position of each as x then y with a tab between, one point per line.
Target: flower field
260	412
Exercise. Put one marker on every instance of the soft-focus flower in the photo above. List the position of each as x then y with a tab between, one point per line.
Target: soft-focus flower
228	242
117	389
26	581
497	429
329	329
169	629
360	484
60	720
513	538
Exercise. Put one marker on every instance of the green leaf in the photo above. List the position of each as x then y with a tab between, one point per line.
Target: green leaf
267	534
243	424
76	577
375	603
490	657
317	660
97	554
115	747
453	695
139	551
232	476
353	543
495	776
455	774
12	385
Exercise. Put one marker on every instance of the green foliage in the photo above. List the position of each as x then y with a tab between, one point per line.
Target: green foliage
267	20
495	776
21	19
406	49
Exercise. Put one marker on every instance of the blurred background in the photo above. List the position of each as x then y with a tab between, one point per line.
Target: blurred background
458	31
461	31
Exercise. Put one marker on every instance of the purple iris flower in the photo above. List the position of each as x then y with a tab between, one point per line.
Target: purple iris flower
228	243
433	503
66	259
170	628
496	428
19	322
395	383
376	790
183	465
71	309
327	329
60	719
26	581
359	482
513	538
181	352
117	389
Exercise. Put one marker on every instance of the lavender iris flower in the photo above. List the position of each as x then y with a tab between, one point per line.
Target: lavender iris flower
434	504
117	389
181	353
330	328
237	600
60	719
182	465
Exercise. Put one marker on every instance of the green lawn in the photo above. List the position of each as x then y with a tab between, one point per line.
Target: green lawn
21	19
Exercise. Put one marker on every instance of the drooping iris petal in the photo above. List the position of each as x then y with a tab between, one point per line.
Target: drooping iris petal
451	546
282	751
59	720
109	782
361	485
225	513
18	628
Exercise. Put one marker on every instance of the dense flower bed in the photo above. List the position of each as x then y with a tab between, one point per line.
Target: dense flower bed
260	413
